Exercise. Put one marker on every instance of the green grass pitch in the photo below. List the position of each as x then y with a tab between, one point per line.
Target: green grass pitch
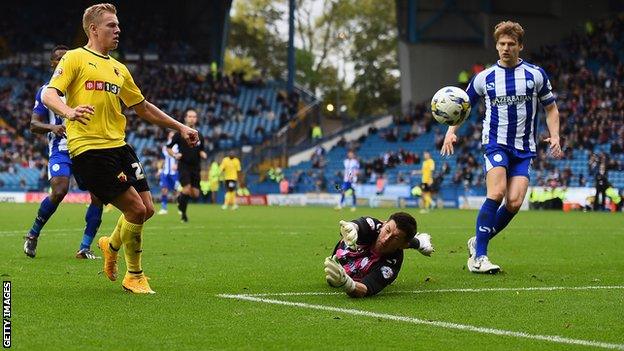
61	303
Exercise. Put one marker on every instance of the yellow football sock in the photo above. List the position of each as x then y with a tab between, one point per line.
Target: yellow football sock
115	238
131	236
229	200
427	201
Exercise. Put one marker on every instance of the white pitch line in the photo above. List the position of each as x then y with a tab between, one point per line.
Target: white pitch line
537	288
441	324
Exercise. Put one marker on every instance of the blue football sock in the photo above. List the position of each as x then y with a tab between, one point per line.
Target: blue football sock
342	198
485	225
93	219
46	210
163	201
503	217
354	199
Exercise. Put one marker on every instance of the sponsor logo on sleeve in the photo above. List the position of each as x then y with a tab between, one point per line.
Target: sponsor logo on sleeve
58	72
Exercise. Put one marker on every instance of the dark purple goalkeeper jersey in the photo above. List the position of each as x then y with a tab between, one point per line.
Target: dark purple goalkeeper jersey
364	265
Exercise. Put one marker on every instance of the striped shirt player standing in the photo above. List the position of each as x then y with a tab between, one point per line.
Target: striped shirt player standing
168	174
351	169
512	90
59	170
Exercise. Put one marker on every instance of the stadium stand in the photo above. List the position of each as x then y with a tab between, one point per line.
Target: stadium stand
233	112
586	71
587	74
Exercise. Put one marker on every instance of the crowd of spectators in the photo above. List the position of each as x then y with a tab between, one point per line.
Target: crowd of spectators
587	74
153	32
159	83
18	146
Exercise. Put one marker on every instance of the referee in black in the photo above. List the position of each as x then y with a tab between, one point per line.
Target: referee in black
189	163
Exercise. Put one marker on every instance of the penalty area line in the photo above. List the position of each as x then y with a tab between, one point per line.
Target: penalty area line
439	324
458	290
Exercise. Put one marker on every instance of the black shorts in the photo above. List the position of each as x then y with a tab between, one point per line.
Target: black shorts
189	175
230	185
108	173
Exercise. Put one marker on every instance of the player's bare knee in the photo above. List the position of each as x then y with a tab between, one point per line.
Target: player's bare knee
149	211
136	213
513	205
496	195
58	194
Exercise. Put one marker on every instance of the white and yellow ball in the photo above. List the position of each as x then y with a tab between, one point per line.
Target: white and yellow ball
450	106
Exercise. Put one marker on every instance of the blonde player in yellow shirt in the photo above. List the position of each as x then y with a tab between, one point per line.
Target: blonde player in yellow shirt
94	85
231	169
428	166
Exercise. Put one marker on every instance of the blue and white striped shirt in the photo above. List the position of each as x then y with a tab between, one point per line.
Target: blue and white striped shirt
351	169
511	96
55	143
170	165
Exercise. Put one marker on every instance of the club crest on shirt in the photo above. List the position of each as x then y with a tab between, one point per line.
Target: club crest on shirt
122	177
530	84
387	272
116	71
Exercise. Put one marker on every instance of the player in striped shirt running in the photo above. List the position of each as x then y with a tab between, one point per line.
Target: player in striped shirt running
168	174
511	89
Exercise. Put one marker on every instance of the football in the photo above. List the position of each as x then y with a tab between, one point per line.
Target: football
450	106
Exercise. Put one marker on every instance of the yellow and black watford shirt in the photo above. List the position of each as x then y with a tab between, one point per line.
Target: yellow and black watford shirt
85	77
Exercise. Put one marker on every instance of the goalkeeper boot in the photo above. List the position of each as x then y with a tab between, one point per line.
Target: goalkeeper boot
87	254
482	264
110	258
137	284
30	246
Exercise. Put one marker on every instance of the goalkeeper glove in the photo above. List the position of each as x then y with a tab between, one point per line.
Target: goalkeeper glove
422	243
349	233
336	275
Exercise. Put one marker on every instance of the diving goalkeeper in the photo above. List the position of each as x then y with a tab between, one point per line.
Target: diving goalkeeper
370	254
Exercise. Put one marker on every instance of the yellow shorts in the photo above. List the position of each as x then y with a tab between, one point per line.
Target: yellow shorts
214	186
